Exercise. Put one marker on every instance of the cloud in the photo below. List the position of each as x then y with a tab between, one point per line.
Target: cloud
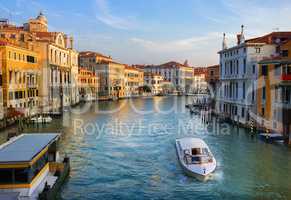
187	44
106	17
260	17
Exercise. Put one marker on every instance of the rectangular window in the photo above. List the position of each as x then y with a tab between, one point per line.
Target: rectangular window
286	95
244	90
236	89
30	59
21	175
264	93
284	53
10	77
10	95
277	70
245	66
258	50
254	69
243	112
276	93
6	176
237	66
21	37
264	70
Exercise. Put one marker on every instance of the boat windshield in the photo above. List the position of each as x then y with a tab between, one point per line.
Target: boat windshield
199	156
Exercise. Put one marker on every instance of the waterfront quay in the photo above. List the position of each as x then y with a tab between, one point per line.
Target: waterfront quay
126	155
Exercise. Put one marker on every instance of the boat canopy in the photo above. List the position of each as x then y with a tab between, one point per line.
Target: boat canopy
25	147
189	143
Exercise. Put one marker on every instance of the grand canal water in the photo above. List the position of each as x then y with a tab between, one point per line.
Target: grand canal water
130	154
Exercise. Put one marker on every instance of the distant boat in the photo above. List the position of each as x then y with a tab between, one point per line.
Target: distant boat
195	158
272	137
41	119
194	111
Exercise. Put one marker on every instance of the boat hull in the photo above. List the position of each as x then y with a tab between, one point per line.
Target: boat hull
197	176
271	138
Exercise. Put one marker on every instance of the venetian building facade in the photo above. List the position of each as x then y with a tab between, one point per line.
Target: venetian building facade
55	61
90	59
74	65
274	91
200	85
238	75
213	82
88	85
180	75
155	82
56	71
20	79
112	79
133	81
111	74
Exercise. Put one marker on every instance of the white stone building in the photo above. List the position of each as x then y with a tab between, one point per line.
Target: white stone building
155	82
180	76
200	85
238	75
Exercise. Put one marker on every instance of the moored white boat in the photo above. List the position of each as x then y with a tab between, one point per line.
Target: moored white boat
272	137
195	158
41	119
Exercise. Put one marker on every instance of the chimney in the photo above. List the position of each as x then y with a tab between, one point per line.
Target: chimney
238	36
224	45
66	40
71	42
242	36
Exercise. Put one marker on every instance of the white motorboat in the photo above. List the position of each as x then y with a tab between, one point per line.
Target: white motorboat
195	158
41	119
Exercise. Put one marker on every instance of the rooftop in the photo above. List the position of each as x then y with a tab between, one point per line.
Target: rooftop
271	38
25	147
173	64
88	54
275	59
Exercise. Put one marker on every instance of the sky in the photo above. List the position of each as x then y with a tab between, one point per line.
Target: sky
155	31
